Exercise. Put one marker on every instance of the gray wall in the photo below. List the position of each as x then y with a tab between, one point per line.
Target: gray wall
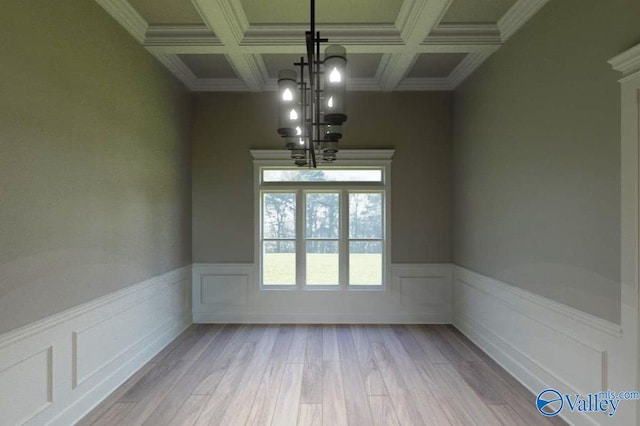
94	160
417	125
536	163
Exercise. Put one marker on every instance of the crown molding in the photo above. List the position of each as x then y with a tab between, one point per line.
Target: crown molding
127	16
517	16
344	154
628	62
180	35
466	34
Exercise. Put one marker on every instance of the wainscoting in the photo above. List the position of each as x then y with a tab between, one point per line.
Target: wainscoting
545	344
55	370
229	293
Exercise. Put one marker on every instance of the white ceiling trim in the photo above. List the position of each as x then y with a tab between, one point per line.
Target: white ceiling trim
423	17
423	84
219	85
179	69
416	31
292	34
345	154
180	35
225	18
465	34
627	62
354	85
215	48
467	66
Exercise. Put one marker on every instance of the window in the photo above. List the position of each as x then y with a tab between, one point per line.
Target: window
323	228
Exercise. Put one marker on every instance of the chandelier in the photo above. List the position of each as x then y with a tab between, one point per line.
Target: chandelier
313	108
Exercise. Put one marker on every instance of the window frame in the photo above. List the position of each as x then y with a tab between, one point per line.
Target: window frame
348	159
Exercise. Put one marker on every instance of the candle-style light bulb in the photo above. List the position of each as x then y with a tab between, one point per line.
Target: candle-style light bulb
335	76
287	95
293	115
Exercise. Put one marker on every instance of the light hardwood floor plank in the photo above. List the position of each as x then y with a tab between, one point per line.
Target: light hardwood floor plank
447	375
112	399
334	411
216	406
287	405
310	415
356	400
156	392
189	411
209	383
329	344
430	410
238	406
115	414
455	411
505	414
312	373
298	347
201	368
449	344
374	384
403	402
424	337
382	411
266	397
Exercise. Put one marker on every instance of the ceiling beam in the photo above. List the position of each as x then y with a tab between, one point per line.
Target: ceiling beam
416	20
227	20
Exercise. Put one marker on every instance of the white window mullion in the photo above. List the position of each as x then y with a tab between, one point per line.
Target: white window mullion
344	239
301	240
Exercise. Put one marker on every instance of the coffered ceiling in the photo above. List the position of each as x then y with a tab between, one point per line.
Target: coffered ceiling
239	45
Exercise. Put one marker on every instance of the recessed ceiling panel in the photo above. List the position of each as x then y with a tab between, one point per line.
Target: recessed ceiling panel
167	11
477	10
359	65
327	11
435	65
209	66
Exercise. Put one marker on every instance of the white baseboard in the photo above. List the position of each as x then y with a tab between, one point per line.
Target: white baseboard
417	293
56	370
545	344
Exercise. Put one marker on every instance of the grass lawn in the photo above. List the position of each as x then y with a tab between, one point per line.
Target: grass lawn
364	269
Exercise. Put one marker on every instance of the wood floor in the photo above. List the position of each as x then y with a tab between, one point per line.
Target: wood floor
319	375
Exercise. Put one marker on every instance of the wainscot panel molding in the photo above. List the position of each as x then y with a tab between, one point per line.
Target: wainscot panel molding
545	344
56	370
230	293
